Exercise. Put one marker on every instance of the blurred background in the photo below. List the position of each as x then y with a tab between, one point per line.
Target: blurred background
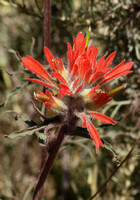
78	171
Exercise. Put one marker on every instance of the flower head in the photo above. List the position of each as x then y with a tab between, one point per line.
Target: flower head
78	86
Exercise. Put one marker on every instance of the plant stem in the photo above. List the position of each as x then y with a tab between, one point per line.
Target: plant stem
44	155
47	22
116	170
49	162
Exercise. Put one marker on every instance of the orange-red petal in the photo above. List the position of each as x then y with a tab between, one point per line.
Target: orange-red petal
92	130
94	134
60	78
101	117
50	58
42	83
36	68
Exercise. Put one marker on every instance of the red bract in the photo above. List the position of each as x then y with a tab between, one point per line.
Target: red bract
80	81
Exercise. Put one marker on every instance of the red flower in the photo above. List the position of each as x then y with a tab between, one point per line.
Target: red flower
82	79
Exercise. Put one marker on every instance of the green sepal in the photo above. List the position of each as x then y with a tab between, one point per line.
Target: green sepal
118	89
88	36
42	97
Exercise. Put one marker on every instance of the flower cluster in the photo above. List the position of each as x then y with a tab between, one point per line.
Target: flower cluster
80	82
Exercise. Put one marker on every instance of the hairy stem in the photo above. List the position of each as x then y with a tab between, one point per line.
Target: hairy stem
49	162
47	22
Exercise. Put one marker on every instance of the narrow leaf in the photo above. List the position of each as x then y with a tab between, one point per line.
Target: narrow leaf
24	132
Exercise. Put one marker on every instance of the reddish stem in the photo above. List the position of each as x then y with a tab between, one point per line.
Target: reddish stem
47	22
44	156
49	163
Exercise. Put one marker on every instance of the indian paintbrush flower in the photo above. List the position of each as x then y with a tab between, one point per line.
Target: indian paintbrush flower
78	86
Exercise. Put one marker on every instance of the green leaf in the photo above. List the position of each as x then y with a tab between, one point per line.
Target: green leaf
24	132
29	131
17	115
26	119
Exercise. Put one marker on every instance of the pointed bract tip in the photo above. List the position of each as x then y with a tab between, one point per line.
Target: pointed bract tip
89	29
125	85
35	95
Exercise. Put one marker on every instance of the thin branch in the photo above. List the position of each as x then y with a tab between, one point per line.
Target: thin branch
27	11
116	170
37	110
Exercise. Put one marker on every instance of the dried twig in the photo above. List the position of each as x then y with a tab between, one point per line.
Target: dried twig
116	170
